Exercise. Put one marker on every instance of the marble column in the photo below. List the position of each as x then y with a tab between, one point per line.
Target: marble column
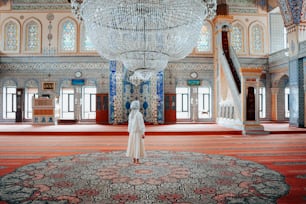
274	97
296	99
296	78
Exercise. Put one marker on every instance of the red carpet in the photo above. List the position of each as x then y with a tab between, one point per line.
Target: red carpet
161	177
118	130
285	153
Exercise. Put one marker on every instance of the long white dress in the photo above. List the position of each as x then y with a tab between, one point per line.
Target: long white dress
136	129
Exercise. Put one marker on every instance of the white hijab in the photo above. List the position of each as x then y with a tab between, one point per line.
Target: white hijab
135	118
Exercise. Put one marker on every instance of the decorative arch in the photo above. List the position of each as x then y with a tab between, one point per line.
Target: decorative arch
281	84
91	82
257	40
11	35
10	82
66	83
280	81
32	35
208	83
68	30
206	38
238	37
224	26
32	83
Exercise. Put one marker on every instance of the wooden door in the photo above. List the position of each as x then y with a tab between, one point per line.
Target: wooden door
170	108
102	108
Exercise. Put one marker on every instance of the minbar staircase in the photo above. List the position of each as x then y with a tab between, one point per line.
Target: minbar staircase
231	69
226	51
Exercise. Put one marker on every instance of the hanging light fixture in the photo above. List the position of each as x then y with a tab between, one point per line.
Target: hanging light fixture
140	75
144	35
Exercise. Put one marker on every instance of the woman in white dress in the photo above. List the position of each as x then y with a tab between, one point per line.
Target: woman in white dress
136	129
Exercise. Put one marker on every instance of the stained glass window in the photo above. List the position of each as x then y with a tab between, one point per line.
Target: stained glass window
237	38
68	36
86	44
11	42
257	39
32	37
204	43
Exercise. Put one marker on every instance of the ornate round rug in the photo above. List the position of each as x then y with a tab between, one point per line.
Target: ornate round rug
162	177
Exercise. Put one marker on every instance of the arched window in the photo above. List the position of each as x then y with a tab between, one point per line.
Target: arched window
68	36
262	102
32	33
86	44
11	36
9	100
284	104
257	39
237	38
67	97
287	95
204	102
31	90
89	102
183	103
205	41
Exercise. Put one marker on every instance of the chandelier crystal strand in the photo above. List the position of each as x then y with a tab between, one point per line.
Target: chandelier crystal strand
144	34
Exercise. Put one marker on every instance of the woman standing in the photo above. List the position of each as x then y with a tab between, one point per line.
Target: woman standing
136	129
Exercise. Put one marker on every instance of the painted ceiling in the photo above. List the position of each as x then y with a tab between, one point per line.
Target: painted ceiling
293	12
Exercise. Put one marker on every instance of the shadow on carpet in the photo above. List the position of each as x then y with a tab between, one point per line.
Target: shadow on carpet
162	177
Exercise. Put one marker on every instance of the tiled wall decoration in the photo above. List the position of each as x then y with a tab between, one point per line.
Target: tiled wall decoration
123	92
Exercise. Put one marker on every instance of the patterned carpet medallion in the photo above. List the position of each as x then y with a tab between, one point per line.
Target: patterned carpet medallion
163	177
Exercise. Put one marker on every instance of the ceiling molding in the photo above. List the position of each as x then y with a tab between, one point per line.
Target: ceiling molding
40	5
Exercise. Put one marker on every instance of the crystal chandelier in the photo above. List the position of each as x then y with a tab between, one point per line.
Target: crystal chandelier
144	35
140	75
